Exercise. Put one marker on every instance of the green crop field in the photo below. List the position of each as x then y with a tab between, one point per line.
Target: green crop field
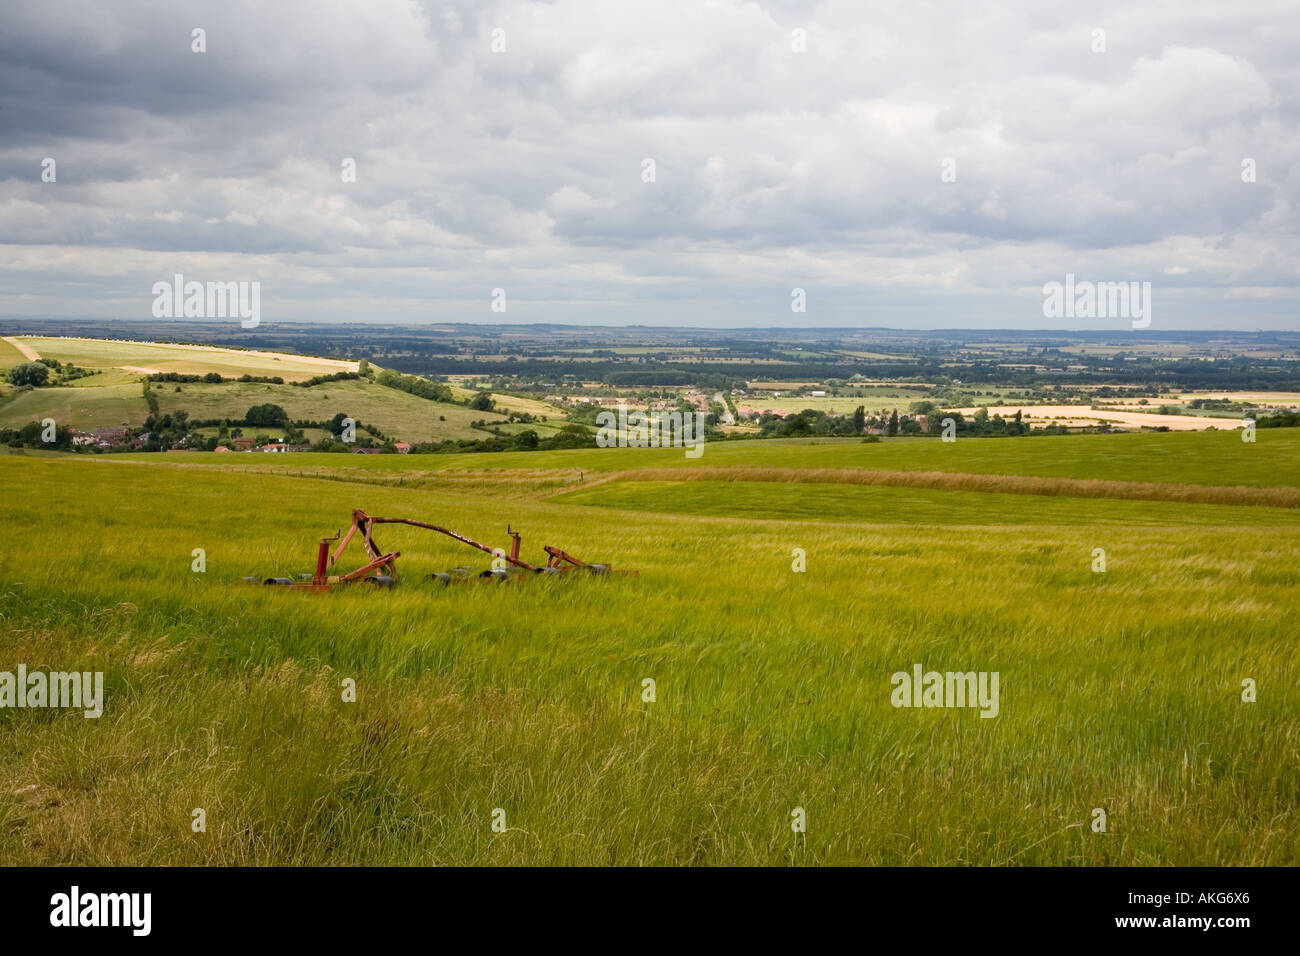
1120	689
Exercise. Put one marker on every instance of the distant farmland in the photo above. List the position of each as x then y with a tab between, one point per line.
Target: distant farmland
114	395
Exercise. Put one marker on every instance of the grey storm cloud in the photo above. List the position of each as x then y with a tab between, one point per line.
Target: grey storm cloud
794	145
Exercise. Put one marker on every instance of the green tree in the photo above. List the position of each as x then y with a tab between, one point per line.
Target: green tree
35	374
266	415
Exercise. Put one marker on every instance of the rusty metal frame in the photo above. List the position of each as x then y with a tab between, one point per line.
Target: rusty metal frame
557	559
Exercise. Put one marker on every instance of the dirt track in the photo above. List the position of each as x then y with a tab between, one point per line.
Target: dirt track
28	352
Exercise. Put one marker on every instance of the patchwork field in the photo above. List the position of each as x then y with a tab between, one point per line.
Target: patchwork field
1079	416
1120	689
146	358
113	394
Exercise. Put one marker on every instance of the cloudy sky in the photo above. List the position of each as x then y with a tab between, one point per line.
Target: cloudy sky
794	145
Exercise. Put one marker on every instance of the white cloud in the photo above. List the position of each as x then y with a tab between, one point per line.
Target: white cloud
774	168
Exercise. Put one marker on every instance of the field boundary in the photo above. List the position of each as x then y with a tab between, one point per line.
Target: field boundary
1274	497
553	482
28	352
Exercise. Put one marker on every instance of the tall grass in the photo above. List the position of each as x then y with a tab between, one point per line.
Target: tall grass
1120	690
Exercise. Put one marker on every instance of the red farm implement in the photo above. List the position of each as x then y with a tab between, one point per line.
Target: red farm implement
381	568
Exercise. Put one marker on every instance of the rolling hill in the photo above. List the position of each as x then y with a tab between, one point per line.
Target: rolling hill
113	394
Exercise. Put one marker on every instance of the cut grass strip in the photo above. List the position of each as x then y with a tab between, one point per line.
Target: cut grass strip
999	484
883	505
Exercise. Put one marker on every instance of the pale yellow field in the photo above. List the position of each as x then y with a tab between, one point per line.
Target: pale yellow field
147	358
1260	398
780	386
1078	416
513	403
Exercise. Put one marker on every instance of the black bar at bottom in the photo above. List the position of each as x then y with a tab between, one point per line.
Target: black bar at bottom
331	906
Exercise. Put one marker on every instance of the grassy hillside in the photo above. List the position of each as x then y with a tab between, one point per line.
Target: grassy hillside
87	405
149	357
85	408
1119	690
9	355
113	393
512	403
397	413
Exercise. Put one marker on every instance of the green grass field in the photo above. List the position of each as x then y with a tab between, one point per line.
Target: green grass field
86	408
1119	690
1211	458
400	414
9	355
904	505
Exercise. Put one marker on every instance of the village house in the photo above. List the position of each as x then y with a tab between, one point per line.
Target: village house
279	447
403	447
